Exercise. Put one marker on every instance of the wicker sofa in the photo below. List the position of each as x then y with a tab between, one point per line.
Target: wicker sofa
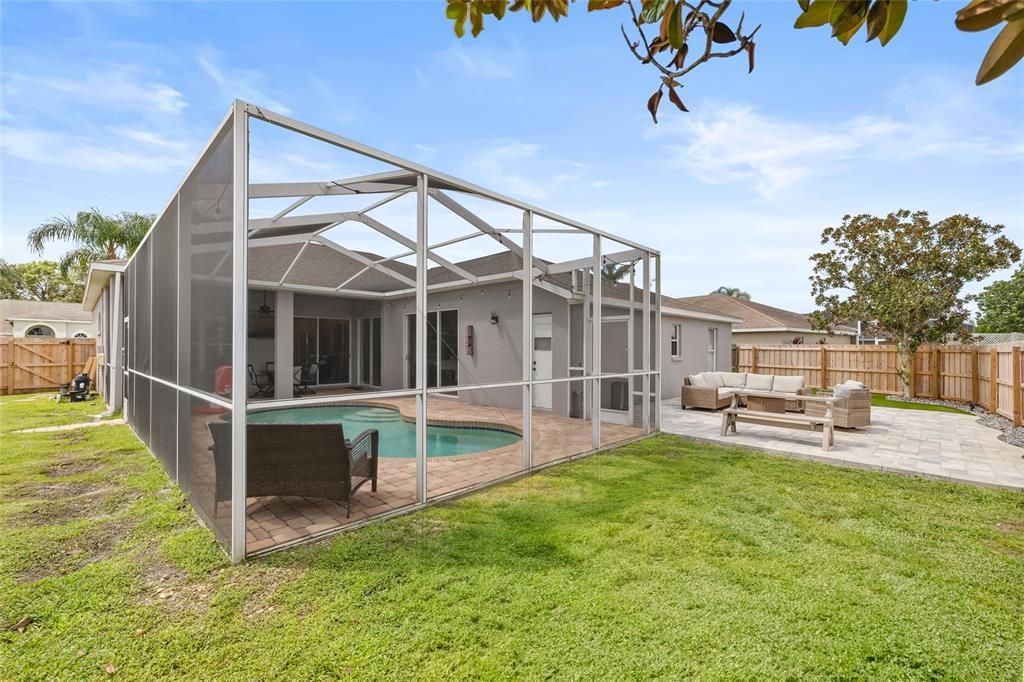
851	408
714	390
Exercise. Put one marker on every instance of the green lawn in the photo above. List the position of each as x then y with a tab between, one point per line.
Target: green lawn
661	559
882	400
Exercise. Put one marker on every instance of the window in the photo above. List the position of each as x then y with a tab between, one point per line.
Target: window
442	349
712	349
81	335
39	330
673	343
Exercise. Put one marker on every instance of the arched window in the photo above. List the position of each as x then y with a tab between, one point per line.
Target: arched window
39	330
81	335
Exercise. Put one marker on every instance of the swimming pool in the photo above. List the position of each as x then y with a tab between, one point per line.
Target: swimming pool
397	436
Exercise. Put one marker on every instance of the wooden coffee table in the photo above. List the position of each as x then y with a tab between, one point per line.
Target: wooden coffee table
764	403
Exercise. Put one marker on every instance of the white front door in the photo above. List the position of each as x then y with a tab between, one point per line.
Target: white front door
542	359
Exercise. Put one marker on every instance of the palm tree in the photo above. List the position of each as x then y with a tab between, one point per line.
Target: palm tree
95	236
734	292
613	272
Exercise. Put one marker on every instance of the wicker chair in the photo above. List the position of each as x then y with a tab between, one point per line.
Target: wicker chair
704	397
850	412
304	460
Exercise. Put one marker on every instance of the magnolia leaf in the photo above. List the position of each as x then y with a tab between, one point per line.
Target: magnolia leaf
595	5
680	59
720	33
653	11
815	15
652	104
1006	50
666	18
980	15
674	98
456	11
476	20
845	15
845	38
897	12
109	669
877	16
675	28
750	56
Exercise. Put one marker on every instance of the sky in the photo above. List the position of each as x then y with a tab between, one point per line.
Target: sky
107	105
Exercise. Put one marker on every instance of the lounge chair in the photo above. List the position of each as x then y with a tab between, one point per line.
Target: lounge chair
261	382
305	377
304	460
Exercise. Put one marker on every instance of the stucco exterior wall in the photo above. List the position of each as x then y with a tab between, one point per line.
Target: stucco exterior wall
693	357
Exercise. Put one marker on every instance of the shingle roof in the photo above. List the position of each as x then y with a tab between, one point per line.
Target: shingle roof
754	315
43	310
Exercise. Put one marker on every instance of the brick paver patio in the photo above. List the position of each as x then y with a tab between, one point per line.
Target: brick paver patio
939	445
272	521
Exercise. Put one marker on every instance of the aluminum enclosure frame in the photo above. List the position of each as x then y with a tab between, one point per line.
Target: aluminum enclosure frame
427	184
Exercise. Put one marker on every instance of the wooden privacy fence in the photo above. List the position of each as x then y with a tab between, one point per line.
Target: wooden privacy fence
987	375
28	365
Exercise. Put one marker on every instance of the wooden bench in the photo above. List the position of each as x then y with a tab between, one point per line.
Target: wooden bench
805	422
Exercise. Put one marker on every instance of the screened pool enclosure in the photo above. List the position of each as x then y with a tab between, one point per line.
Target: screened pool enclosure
316	334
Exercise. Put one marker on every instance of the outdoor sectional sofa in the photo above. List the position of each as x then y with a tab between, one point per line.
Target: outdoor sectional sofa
714	390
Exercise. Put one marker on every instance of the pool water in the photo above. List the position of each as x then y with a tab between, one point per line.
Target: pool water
397	436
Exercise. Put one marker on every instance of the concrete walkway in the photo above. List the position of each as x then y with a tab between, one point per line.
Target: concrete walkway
73	427
938	445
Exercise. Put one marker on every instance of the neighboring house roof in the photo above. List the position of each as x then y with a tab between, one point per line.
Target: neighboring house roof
40	311
756	317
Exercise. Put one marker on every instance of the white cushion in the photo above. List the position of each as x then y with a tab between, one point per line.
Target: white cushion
843	390
712	378
696	380
760	382
787	384
733	379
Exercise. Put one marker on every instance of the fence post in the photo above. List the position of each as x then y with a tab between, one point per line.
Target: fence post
1015	384
10	366
974	376
69	361
913	373
936	377
753	359
824	367
993	381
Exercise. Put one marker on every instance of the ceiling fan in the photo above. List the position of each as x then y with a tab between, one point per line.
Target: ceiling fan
264	311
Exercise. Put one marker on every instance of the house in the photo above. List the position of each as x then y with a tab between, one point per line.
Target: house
45	319
307	355
765	324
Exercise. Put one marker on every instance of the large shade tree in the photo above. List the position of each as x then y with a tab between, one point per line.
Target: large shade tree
93	236
41	281
1001	305
906	275
675	37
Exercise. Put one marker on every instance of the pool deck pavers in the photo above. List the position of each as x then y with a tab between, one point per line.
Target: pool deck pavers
938	445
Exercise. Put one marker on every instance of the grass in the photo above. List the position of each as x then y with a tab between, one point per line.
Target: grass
883	400
661	559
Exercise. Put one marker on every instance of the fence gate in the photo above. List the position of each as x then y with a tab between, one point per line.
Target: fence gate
31	365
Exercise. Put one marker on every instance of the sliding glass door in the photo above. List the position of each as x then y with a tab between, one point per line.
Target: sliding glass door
369	351
325	342
442	349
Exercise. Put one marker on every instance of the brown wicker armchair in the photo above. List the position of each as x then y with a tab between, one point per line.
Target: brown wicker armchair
304	460
852	411
704	397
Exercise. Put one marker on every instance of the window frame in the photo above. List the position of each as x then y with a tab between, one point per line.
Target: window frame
675	346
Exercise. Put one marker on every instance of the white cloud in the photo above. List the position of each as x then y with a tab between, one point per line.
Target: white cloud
486	64
244	84
730	143
117	87
123	152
